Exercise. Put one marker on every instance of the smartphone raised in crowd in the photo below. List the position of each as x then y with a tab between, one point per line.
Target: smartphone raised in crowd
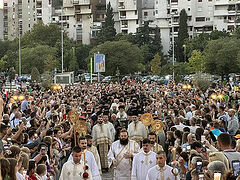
199	166
236	167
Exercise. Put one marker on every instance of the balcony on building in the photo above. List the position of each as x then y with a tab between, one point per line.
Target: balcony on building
124	24
39	12
81	2
123	15
83	9
20	2
231	8
174	2
39	4
121	5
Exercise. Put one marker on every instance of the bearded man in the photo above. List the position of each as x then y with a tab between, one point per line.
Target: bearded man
136	130
120	156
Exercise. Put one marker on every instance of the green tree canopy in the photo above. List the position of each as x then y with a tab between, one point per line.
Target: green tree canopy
221	56
73	64
41	34
196	62
182	35
156	64
123	55
35	57
35	75
108	32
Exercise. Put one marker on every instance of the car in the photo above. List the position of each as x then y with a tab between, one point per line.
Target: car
107	79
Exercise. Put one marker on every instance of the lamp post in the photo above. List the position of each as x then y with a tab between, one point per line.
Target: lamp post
62	35
19	44
173	56
184	46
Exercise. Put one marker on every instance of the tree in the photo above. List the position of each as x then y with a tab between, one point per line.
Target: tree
82	52
35	75
10	59
73	64
41	34
156	45
182	35
35	57
202	81
142	36
196	62
120	55
47	80
221	56
156	64
108	32
11	75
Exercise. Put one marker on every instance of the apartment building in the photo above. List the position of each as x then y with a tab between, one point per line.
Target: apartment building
1	22
226	15
19	16
126	15
167	14
77	19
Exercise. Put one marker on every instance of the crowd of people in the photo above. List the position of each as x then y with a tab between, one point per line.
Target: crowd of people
199	137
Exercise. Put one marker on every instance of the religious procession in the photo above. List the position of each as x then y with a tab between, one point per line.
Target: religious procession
128	130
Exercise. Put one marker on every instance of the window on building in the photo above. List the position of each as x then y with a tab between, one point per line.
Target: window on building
190	28
199	0
136	21
199	19
145	13
189	9
123	13
121	4
5	4
125	31
29	25
157	2
135	12
156	11
67	25
28	1
208	19
67	17
103	16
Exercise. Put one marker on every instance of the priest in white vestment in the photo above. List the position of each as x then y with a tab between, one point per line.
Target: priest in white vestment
161	171
88	158
120	156
94	150
136	129
110	125
76	169
143	161
102	139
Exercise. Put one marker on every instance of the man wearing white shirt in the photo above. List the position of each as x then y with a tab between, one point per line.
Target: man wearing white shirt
88	158
143	161
161	170
75	169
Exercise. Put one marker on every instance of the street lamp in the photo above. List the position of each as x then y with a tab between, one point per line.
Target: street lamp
62	35
184	46
172	43
19	44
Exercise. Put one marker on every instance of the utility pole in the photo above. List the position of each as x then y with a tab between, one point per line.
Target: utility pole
62	36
